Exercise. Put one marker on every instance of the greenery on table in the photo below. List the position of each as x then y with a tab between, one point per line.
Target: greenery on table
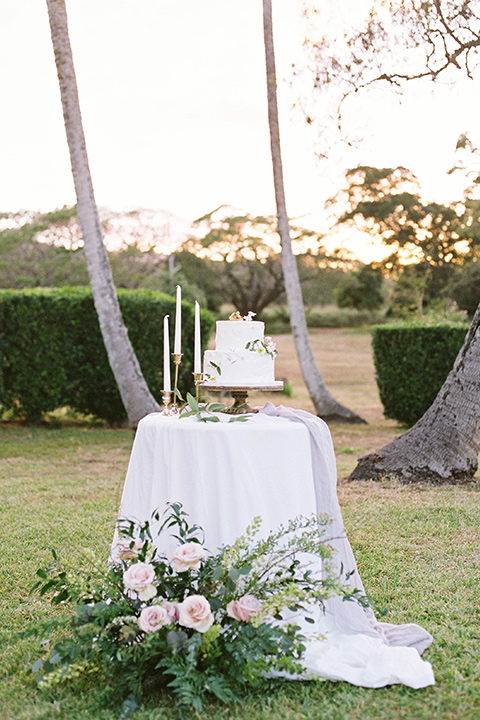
417	549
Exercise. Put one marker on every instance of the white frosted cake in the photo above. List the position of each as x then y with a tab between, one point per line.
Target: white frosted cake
243	356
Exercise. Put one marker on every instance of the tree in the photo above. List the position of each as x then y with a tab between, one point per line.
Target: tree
386	202
465	287
136	396
243	248
246	252
325	404
443	445
361	289
387	44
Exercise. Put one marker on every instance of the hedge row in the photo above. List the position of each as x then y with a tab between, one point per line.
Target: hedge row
412	363
52	353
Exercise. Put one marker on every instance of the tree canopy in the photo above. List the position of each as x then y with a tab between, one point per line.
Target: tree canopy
246	250
431	237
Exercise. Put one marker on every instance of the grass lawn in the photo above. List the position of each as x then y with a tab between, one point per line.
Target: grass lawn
417	548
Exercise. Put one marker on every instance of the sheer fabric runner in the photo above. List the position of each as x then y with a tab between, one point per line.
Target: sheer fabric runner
358	648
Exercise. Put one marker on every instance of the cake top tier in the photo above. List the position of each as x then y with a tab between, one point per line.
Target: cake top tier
233	336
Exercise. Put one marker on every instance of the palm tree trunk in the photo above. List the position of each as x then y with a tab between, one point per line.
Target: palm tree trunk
136	397
325	404
443	445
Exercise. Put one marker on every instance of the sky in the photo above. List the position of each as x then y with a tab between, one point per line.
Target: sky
173	100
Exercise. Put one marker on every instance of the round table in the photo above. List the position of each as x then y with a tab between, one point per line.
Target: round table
278	464
224	473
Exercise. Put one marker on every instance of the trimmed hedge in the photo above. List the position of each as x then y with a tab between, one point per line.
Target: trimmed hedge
411	363
52	353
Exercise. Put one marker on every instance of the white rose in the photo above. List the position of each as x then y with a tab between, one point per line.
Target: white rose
187	557
195	612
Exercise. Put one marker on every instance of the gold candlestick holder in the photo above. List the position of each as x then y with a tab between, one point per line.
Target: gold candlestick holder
198	378
166	396
177	359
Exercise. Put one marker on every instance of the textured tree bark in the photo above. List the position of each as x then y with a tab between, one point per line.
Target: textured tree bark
325	404
443	445
136	397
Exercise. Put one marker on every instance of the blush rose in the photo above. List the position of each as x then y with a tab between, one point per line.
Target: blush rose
139	577
153	617
244	609
195	612
187	557
128	548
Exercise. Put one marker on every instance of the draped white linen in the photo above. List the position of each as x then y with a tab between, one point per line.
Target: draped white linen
277	465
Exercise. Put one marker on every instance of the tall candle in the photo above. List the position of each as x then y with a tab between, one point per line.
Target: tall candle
197	354
166	356
177	345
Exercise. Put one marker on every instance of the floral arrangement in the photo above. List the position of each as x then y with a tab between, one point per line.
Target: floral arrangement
197	623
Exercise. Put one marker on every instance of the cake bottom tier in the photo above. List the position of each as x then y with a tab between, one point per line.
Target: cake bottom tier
238	368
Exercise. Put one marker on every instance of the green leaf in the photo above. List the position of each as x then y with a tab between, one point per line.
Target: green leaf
245	569
189	413
192	402
37	665
178	394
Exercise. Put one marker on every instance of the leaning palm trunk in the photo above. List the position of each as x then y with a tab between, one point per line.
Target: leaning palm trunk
443	445
325	404
136	397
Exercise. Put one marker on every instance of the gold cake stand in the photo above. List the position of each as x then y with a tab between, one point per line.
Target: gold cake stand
240	393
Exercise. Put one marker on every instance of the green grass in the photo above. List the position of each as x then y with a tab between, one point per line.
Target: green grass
417	548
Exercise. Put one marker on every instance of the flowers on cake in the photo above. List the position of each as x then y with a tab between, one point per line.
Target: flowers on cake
236	316
263	347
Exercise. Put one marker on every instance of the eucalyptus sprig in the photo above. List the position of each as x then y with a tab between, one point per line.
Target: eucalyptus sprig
206	412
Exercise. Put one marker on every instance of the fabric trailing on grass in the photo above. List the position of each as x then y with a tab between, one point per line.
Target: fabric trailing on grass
357	647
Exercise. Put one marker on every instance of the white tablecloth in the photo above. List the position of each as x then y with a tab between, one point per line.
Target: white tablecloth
278	465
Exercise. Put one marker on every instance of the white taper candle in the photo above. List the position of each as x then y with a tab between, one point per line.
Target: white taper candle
166	356
177	345
197	354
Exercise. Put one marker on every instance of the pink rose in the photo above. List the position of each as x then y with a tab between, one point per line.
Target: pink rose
244	608
139	577
152	618
194	612
128	548
172	609
187	557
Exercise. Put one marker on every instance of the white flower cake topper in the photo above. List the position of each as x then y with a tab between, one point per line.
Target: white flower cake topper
236	316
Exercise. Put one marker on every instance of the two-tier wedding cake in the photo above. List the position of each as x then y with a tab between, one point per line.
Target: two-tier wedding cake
243	356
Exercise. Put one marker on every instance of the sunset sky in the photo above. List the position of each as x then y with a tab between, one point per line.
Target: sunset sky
173	100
